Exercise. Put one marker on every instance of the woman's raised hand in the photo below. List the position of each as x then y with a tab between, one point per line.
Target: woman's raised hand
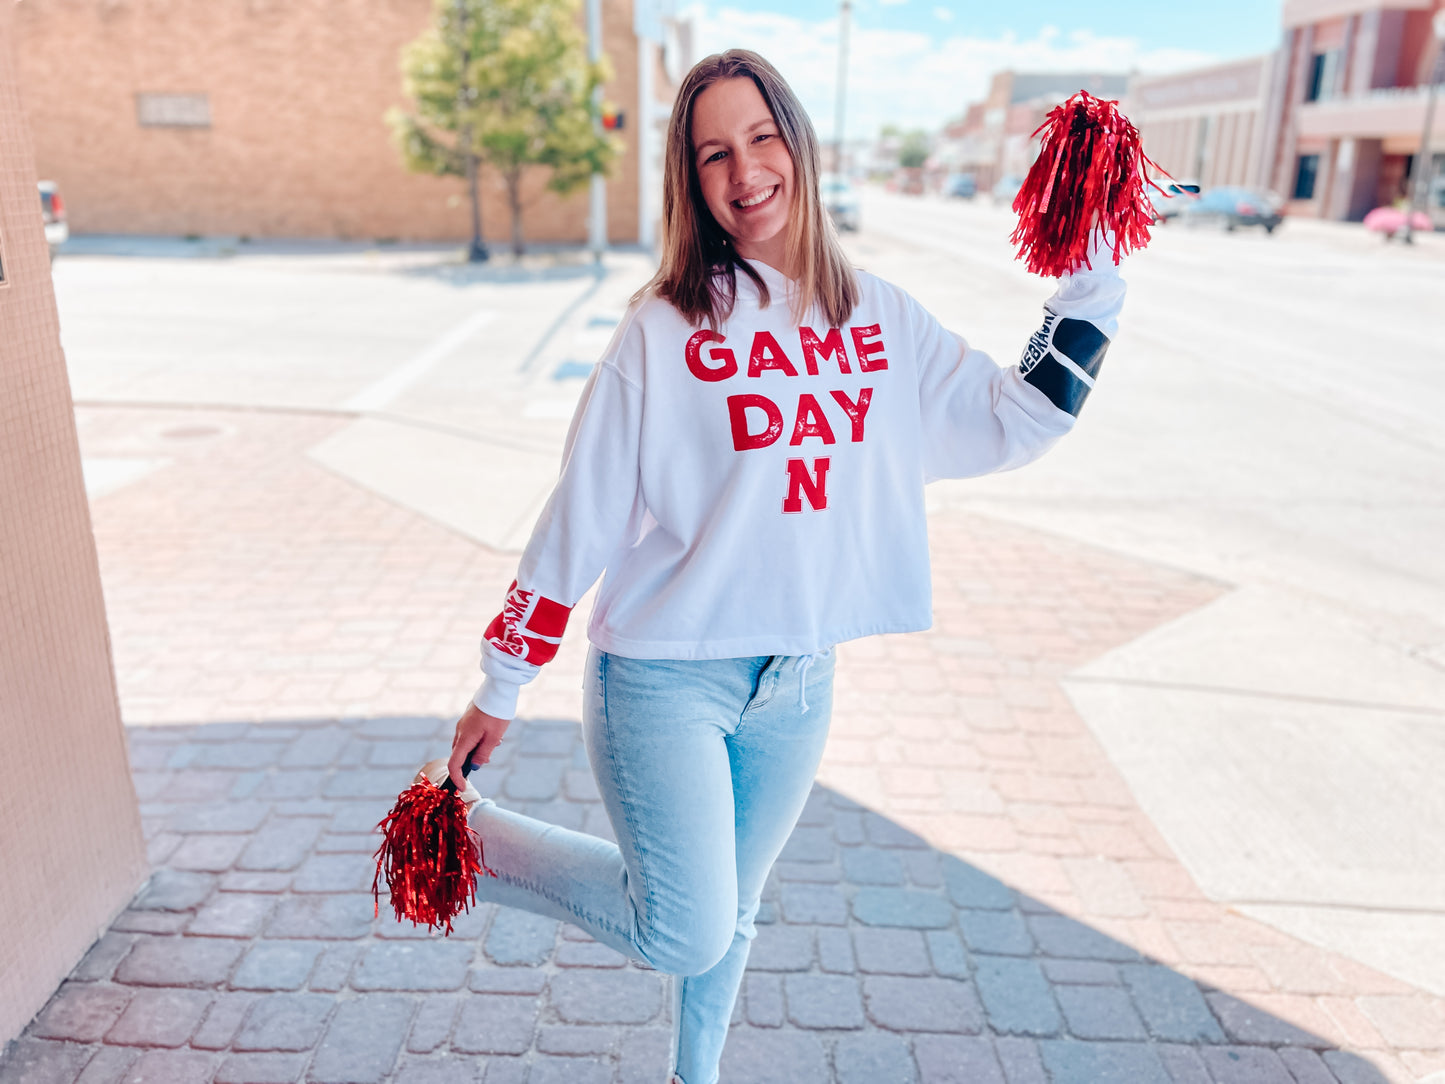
477	736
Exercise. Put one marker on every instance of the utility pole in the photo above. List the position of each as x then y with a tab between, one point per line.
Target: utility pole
597	192
845	11
1422	168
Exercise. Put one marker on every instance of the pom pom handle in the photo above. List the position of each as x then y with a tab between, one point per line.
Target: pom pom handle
449	786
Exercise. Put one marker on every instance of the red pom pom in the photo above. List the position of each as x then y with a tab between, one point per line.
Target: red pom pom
1090	171
430	857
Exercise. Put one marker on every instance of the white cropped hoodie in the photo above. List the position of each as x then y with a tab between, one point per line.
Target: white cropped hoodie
758	489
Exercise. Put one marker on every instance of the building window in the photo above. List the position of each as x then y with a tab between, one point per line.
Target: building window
1304	176
1324	73
173	110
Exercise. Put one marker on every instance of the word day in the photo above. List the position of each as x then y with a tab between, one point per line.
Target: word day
757	421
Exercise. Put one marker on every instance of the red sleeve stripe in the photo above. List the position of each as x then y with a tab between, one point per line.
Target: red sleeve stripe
540	652
543	620
548	618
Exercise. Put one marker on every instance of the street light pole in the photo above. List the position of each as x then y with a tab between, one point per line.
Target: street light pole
845	10
597	186
1422	168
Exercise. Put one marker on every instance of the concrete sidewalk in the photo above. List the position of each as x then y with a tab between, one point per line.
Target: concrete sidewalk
973	895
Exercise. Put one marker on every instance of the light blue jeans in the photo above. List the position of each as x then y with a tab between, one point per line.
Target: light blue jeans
703	768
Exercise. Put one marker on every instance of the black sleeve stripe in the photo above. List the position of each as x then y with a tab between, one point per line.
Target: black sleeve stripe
1082	343
1065	390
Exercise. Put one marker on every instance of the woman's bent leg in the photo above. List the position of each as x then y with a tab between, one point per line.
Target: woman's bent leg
666	892
774	754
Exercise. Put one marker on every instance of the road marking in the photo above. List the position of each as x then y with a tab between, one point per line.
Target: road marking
378	394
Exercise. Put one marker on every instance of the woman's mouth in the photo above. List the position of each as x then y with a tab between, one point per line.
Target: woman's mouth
757	199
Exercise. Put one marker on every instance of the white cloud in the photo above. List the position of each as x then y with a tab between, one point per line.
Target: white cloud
910	78
943	14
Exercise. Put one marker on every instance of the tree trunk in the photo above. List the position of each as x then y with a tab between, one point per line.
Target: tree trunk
477	250
514	197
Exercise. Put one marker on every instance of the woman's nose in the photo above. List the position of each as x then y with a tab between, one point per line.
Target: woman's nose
745	165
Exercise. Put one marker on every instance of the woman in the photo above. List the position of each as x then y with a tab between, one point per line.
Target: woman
746	466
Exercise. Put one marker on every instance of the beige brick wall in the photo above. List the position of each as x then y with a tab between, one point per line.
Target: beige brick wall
296	147
71	851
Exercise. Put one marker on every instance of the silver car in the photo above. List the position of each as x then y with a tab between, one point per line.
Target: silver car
841	200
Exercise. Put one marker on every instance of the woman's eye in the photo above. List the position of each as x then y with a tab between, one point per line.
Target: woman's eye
765	135
713	157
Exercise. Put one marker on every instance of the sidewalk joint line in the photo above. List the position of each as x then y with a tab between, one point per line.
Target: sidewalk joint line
599	276
540	446
1259	694
380	392
1394	909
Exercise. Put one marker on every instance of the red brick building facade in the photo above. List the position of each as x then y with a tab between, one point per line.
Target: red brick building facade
264	118
1331	121
1354	104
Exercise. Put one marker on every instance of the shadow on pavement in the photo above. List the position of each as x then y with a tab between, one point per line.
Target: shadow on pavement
443	263
253	954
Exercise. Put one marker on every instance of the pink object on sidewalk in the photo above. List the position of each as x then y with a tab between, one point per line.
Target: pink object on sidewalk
1392	220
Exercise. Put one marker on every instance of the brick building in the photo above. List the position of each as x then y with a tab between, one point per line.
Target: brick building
1354	104
993	139
1208	125
1331	121
263	118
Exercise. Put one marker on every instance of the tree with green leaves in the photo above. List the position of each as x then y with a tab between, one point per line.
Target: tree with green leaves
913	151
506	83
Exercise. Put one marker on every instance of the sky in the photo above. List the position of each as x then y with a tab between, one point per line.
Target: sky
919	63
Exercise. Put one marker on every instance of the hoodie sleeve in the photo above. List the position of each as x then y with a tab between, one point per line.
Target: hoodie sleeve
979	418
584	522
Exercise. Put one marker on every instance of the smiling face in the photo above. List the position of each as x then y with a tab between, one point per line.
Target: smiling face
744	168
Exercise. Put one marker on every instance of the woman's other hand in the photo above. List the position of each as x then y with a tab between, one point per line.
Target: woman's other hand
478	735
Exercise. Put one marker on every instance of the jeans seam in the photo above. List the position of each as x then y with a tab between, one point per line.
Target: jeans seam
536	888
758	699
642	943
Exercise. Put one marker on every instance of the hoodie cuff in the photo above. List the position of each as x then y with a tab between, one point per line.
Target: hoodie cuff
1100	255
497	698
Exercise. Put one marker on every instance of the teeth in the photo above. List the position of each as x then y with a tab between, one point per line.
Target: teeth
755	200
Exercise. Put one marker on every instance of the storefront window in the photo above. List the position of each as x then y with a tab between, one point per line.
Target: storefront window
1304	177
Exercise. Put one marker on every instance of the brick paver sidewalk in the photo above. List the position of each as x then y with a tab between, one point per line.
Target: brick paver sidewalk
972	896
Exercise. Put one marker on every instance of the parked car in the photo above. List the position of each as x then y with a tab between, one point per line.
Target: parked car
840	199
52	211
1171	198
1007	188
1231	207
961	186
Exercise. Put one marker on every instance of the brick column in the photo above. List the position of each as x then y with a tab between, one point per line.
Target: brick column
71	851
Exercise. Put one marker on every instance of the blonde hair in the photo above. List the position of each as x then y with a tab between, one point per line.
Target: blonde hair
698	272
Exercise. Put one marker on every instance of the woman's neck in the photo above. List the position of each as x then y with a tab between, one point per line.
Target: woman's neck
773	252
